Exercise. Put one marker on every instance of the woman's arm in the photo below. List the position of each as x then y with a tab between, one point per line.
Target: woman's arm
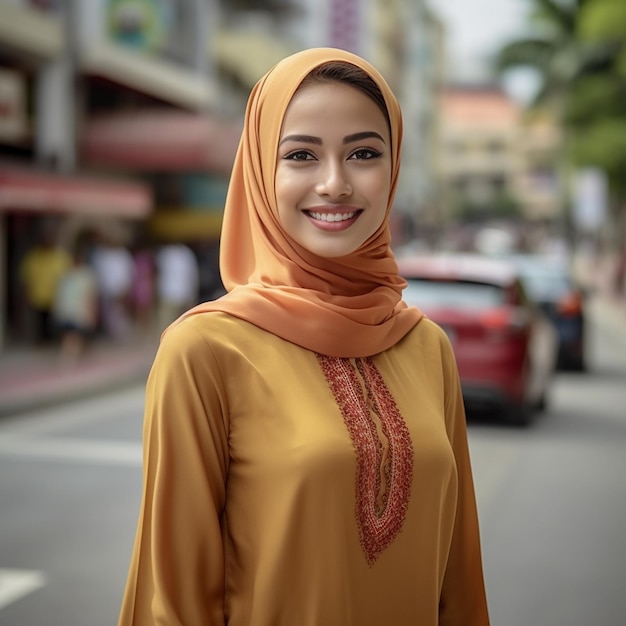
176	575
463	601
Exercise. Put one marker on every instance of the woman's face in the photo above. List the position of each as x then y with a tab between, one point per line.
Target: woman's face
333	174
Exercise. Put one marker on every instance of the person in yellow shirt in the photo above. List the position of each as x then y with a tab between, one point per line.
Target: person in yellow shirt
305	448
41	269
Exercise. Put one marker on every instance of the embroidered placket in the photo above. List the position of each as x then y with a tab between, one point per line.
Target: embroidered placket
381	506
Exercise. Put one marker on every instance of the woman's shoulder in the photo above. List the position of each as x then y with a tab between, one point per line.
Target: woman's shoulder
219	332
220	345
430	332
213	327
429	340
198	340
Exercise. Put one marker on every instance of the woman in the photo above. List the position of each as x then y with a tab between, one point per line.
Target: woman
306	457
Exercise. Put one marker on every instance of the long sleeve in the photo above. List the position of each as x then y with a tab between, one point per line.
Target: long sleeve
176	575
463	600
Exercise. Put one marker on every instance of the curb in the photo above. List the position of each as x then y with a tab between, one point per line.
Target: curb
37	401
612	313
32	381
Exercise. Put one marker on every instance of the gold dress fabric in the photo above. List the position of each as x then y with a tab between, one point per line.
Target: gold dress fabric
286	488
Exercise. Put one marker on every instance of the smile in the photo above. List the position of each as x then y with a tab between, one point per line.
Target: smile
332	217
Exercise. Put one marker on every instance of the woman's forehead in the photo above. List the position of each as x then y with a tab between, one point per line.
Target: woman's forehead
319	103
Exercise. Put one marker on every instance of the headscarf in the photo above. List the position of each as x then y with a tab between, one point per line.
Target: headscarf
350	306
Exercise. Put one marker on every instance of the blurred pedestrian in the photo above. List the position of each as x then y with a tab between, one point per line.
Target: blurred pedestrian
177	281
143	288
210	282
305	454
76	307
41	269
113	264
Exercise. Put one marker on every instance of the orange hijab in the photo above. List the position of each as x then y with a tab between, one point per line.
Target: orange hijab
349	306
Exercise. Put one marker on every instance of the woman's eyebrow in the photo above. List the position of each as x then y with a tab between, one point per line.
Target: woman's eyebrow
368	134
302	139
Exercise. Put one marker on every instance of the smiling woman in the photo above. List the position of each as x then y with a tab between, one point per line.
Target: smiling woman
333	182
305	447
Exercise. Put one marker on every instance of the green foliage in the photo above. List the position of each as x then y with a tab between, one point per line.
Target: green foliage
603	144
557	17
603	23
554	50
535	53
578	49
603	19
620	65
593	97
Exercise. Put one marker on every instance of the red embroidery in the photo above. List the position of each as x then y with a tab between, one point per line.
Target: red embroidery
378	525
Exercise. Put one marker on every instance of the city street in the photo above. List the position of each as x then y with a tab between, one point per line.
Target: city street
551	497
552	500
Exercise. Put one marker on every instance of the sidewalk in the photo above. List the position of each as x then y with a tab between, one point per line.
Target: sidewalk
596	275
32	379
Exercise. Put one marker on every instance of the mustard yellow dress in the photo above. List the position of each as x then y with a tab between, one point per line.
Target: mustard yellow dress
283	488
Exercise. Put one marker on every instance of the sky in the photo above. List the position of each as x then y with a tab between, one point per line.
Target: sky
475	29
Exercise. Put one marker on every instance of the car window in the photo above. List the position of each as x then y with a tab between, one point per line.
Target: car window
545	285
427	293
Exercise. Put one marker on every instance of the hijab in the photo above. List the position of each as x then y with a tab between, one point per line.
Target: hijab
350	306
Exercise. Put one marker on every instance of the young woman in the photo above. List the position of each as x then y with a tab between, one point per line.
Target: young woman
306	458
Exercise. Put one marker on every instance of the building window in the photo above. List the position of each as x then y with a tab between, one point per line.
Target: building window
496	147
456	147
543	179
498	184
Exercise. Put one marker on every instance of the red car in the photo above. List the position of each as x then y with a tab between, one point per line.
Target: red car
505	346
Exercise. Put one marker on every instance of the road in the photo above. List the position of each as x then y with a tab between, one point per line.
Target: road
552	501
551	497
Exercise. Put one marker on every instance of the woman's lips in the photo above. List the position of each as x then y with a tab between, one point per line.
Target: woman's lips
339	219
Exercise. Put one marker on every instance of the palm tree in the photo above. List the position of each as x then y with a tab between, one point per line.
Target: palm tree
554	50
575	61
595	112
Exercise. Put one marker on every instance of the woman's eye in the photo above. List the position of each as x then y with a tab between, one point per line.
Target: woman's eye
298	155
365	153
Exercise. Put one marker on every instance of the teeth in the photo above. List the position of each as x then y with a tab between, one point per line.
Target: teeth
332	217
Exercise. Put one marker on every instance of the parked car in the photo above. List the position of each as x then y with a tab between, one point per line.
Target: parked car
550	283
504	345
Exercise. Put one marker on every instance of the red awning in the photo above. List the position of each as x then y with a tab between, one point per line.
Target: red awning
30	190
161	142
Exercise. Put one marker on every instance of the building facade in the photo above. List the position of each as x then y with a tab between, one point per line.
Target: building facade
124	115
496	161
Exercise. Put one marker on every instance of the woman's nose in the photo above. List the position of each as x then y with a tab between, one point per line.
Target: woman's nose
333	183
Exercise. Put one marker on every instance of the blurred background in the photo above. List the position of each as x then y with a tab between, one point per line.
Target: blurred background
119	122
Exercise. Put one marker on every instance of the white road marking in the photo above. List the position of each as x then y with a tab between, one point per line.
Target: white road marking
16	583
60	418
32	435
73	449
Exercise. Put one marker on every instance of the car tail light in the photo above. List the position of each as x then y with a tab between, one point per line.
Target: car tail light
505	320
570	305
496	318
